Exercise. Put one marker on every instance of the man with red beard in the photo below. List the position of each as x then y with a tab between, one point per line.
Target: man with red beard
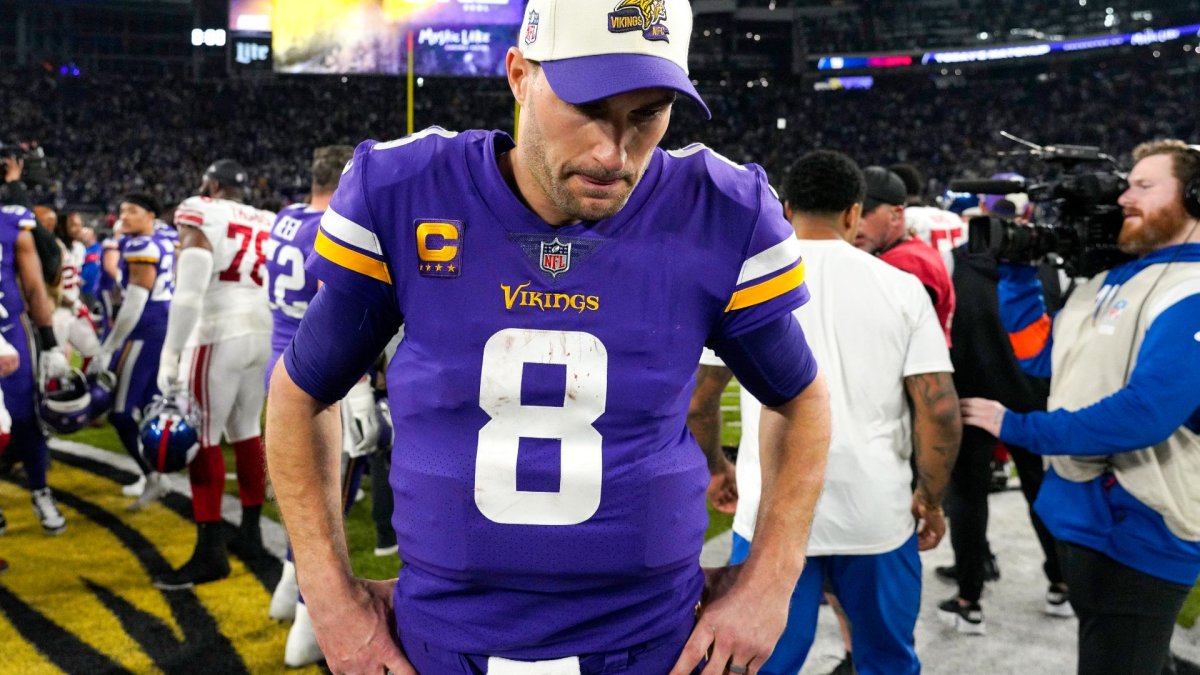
1122	434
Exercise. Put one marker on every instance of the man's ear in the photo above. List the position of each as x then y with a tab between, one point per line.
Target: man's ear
851	217
520	72
787	210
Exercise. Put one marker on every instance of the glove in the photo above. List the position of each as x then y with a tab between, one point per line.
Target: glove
99	363
360	424
168	371
53	364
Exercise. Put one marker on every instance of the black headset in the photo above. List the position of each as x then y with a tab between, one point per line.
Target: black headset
1191	191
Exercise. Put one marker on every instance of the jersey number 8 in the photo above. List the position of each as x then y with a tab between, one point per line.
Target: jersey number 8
582	459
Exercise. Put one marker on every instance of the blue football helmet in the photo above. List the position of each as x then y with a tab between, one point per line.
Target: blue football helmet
170	434
66	402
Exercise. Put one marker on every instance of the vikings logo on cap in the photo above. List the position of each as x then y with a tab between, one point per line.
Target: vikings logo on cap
531	27
644	15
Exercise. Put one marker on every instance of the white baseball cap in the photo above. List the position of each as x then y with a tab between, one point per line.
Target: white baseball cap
593	49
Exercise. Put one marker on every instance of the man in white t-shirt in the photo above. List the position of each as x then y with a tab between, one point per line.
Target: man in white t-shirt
875	336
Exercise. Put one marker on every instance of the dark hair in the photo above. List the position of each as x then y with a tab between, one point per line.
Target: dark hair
328	162
914	183
143	200
824	182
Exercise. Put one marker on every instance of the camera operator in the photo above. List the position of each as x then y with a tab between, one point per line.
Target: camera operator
1120	493
14	192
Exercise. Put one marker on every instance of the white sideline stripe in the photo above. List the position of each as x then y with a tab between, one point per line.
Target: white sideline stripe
779	256
231	509
350	232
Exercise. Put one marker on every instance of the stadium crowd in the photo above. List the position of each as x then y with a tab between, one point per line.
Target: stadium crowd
109	136
196	241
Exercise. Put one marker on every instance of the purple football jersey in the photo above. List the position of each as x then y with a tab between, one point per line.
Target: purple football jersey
549	500
13	219
153	249
288	286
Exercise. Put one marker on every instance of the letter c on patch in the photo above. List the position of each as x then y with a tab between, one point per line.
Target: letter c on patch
441	250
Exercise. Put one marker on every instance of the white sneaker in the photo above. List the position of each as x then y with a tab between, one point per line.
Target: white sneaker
46	510
155	489
1058	603
135	488
301	648
286	595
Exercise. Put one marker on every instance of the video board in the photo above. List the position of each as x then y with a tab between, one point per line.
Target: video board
451	37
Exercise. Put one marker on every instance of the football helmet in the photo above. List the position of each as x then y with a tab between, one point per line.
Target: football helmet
101	387
170	433
66	402
386	432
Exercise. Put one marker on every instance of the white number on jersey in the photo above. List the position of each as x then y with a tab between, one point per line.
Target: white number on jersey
292	258
582	460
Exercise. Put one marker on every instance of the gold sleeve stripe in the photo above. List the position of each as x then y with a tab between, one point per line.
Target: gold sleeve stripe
773	288
141	259
351	260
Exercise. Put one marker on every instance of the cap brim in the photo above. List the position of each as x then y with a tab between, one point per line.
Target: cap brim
590	78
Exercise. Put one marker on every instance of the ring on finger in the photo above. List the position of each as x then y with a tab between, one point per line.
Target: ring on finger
738	670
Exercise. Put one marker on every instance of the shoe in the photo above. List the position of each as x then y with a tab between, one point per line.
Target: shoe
967	620
301	648
3	523
46	510
135	488
846	667
209	562
155	489
1058	602
991	570
246	543
385	542
286	595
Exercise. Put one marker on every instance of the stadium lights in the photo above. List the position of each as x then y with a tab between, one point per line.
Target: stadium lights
781	123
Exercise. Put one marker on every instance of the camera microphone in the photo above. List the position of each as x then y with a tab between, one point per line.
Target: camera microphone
988	187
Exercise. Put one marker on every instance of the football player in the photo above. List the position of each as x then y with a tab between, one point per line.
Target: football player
291	289
219	329
72	319
132	347
556	292
21	286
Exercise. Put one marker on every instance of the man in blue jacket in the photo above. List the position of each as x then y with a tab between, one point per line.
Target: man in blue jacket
1122	429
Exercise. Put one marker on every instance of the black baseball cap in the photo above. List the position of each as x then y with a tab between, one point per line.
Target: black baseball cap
226	172
883	187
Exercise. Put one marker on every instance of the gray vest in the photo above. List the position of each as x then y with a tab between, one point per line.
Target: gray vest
1097	336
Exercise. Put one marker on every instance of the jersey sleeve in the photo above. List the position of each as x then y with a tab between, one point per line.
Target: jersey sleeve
141	250
1024	316
927	351
347	252
770	282
204	215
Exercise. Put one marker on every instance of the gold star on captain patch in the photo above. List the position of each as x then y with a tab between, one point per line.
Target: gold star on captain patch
450	268
439	267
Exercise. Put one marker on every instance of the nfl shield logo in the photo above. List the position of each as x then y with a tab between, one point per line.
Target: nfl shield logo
556	257
531	28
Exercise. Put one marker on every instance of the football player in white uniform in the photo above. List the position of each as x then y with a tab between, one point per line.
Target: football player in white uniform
217	345
72	319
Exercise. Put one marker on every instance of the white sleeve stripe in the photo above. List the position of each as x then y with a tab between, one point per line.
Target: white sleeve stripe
1175	294
399	142
350	232
779	256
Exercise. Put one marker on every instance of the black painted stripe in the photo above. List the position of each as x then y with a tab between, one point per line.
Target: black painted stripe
203	641
266	570
53	641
